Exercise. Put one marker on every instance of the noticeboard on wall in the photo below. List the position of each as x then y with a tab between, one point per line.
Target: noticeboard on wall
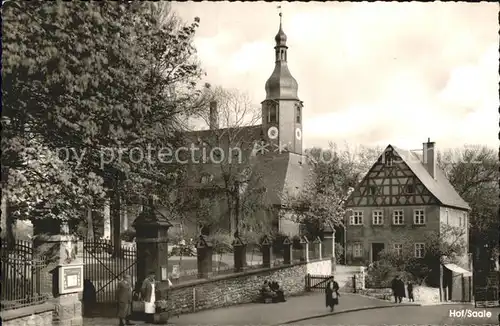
70	279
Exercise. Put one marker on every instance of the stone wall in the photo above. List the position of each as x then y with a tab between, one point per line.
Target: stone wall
38	315
68	310
240	287
320	267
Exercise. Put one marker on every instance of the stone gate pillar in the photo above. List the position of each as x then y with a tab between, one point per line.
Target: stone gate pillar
287	251
204	251
152	244
317	248
267	252
305	249
62	274
240	254
328	249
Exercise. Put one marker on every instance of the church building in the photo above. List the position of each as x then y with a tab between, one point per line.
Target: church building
269	161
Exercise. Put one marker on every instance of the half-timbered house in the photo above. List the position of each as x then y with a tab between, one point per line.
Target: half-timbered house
402	197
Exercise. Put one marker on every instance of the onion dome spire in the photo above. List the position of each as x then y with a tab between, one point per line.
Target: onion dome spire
281	84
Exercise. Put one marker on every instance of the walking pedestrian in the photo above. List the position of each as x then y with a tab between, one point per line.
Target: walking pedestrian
332	293
148	290
124	299
401	290
394	287
410	291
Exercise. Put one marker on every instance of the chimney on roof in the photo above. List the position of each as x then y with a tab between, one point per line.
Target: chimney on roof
214	116
430	157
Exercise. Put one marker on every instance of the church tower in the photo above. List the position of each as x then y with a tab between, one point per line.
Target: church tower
282	109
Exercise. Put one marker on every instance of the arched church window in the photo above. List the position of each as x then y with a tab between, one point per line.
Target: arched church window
282	54
298	119
273	116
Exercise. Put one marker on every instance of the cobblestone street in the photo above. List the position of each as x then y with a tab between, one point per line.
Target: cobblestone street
263	314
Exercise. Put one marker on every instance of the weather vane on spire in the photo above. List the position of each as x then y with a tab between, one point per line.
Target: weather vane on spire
281	13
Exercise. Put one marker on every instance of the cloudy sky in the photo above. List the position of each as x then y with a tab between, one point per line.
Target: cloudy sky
368	73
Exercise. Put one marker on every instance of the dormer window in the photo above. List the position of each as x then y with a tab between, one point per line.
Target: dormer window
388	159
272	114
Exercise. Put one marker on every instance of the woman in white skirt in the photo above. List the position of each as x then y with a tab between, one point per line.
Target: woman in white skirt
148	295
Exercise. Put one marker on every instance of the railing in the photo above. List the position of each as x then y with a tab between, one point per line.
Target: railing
23	276
486	297
316	282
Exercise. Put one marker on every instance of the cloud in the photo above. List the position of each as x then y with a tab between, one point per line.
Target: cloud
248	57
212	49
367	72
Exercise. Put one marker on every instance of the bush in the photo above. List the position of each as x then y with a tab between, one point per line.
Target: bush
185	251
296	242
222	242
128	235
381	274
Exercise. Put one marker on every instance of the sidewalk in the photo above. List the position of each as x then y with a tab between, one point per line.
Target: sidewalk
263	314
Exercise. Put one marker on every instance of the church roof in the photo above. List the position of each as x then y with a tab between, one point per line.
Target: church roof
243	134
440	187
274	172
280	173
281	84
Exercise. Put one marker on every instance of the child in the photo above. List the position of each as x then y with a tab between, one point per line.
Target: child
410	292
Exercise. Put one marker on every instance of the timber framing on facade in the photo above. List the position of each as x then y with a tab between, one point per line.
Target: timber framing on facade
400	178
391	182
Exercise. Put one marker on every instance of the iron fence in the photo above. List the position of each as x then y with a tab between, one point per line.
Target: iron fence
103	270
24	277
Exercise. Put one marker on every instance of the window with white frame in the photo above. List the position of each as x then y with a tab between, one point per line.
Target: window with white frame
357	250
398	217
419	250
398	248
356	218
378	217
419	216
463	220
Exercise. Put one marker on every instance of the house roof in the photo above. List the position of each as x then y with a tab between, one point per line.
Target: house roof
440	187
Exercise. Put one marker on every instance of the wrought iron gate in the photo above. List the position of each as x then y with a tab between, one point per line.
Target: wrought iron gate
104	271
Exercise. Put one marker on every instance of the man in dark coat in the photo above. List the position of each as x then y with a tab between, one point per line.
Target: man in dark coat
124	299
401	290
89	298
332	293
395	288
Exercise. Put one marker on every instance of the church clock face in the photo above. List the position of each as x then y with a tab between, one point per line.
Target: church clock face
298	133
272	133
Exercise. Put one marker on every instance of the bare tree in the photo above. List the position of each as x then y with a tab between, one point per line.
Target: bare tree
231	144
